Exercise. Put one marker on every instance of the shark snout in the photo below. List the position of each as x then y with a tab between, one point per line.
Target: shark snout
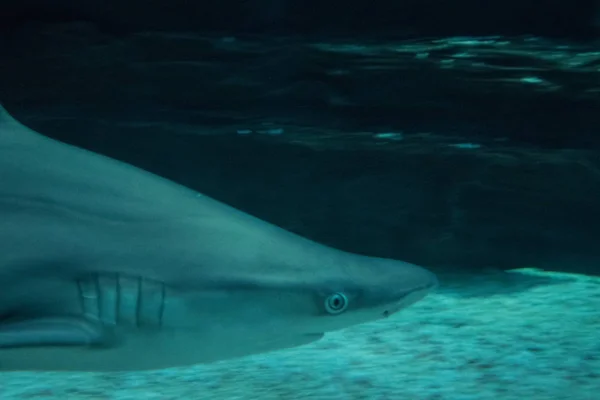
414	284
429	278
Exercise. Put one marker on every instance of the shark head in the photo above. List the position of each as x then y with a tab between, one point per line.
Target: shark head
356	290
304	291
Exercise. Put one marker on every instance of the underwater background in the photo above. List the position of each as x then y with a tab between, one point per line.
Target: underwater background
462	136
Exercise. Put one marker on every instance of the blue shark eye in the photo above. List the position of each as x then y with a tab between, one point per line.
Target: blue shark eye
336	303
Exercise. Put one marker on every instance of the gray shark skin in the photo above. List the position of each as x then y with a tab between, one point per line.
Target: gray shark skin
106	267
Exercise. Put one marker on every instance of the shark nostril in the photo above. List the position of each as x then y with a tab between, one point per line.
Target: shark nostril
392	310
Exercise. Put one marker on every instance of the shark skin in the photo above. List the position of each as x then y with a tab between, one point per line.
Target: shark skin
107	267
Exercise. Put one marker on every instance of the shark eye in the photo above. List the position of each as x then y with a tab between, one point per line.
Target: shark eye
336	303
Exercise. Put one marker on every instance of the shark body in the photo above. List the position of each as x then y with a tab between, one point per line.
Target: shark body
106	267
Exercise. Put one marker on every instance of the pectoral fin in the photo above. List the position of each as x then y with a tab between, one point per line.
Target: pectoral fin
54	331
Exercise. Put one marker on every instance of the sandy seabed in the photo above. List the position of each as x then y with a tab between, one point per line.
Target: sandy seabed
525	334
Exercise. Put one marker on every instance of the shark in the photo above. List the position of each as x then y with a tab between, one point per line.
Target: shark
107	267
